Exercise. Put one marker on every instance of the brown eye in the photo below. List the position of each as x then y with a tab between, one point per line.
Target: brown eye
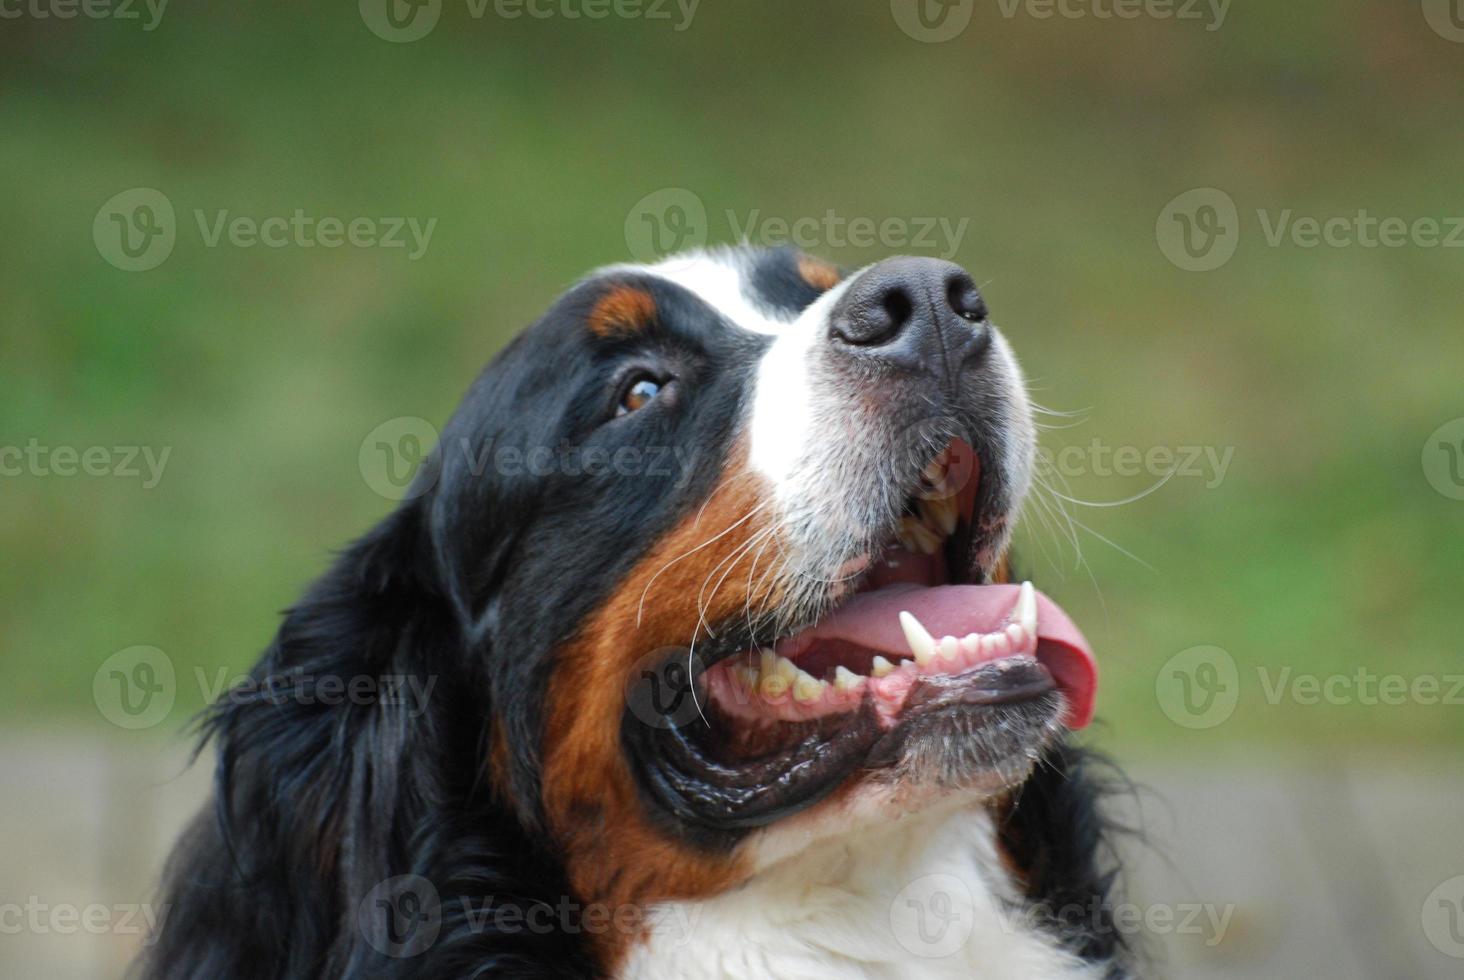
638	395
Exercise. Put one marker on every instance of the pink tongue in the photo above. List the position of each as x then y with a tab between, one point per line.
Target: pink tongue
872	620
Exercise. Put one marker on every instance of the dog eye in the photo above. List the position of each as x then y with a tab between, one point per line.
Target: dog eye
638	395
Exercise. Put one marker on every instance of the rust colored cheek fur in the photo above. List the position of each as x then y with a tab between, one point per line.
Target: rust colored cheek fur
612	853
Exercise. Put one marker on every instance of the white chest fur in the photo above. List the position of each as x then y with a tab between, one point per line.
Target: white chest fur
923	898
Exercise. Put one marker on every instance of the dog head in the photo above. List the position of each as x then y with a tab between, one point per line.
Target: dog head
728	535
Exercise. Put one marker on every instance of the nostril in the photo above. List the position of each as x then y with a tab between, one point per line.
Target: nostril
965	299
898	307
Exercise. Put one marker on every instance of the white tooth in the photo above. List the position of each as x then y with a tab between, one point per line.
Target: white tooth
1000	644
881	668
773	686
767	663
807	688
1025	615
922	644
746	676
1017	636
950	647
845	680
971	645
988	645
787	670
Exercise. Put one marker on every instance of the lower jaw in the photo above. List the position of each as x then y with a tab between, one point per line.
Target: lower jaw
981	729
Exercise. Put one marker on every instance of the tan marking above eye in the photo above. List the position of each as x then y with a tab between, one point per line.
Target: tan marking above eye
622	310
819	274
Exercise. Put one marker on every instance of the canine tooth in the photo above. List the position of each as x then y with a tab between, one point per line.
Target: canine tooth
881	668
1017	635
1025	615
807	688
950	647
845	680
922	644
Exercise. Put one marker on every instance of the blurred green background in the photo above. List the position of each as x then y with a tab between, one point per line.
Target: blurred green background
1324	548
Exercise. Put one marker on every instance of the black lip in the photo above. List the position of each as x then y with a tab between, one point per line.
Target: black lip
715	801
1013	683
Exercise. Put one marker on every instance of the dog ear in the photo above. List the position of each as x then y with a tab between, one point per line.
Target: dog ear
351	782
324	758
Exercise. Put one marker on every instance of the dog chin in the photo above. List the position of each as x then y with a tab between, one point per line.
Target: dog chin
953	761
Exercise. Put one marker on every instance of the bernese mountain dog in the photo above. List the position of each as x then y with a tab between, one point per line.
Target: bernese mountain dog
720	668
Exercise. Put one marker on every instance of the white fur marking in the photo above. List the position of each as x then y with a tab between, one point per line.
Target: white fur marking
923	897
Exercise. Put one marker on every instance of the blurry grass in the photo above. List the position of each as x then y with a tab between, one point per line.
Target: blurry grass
1323	549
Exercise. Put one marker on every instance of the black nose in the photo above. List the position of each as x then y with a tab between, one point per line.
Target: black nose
924	315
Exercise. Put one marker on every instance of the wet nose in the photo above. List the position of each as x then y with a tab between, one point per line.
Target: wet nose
922	315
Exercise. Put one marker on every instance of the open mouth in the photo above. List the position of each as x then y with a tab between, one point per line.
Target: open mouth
922	672
913	621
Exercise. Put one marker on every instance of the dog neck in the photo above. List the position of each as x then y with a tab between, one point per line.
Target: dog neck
921	897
